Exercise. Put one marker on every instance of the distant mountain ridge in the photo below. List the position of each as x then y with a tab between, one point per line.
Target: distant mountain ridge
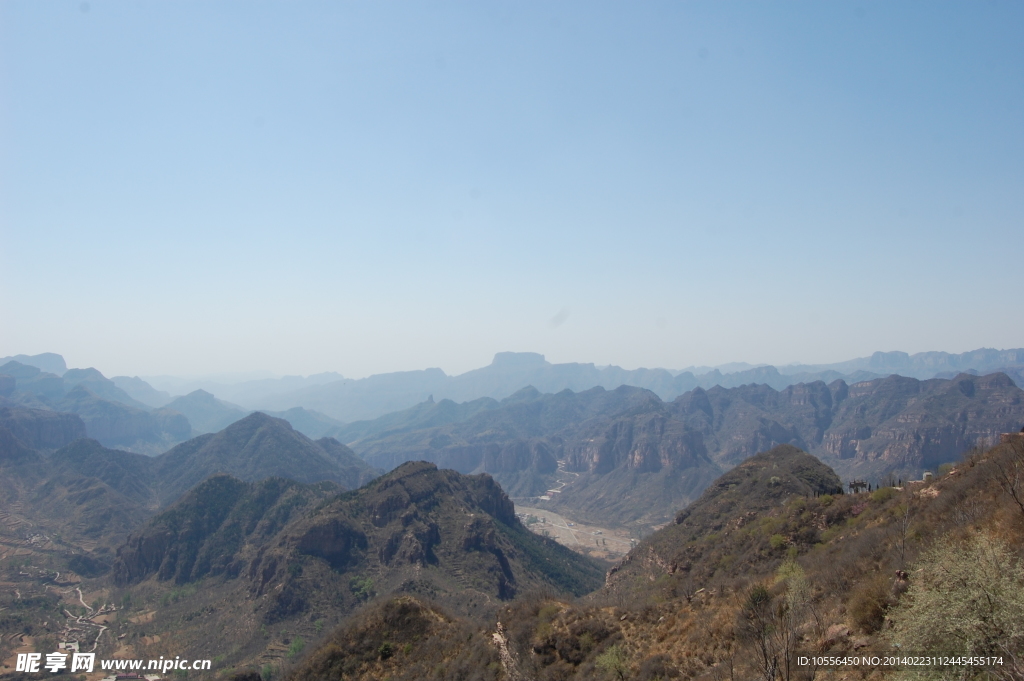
336	398
110	415
114	417
352	400
49	362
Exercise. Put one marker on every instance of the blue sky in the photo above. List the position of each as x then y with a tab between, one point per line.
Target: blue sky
192	187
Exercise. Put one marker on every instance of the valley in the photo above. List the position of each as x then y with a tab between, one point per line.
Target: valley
602	543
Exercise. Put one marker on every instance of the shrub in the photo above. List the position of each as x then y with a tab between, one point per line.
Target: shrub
362	587
296	647
882	495
967	598
777	541
868	604
614	661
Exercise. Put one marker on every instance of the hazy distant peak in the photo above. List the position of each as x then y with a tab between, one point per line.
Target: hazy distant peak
518	360
18	370
201	394
80	375
49	362
257	420
522	395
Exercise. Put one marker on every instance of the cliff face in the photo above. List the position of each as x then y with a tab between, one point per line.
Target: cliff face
908	424
42	429
887	424
647	442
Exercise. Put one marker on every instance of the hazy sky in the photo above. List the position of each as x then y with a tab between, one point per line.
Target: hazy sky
191	187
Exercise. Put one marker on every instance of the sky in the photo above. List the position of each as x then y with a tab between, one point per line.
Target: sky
297	187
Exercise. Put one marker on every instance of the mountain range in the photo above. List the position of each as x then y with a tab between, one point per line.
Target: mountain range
109	414
316	404
429	572
350	400
626	456
117	419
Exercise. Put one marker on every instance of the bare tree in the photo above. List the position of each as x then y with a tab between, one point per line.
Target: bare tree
1008	465
899	531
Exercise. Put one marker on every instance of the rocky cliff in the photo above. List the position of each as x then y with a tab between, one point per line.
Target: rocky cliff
40	428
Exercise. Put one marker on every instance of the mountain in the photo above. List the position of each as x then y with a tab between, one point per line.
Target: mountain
276	557
139	390
51	387
748	492
426	414
110	415
205	412
354	472
310	423
208	414
118	425
33	381
257	447
101	386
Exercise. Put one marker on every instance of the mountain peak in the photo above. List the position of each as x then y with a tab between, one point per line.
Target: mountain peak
257	419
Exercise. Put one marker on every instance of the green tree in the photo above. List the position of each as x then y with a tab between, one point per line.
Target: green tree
966	598
614	661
